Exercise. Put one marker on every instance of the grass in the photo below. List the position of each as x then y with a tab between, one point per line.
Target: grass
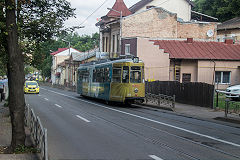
234	106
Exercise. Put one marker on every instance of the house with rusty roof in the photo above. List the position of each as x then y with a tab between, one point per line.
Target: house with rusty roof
190	60
229	30
110	26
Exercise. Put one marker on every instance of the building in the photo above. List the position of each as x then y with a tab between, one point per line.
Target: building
229	30
160	23
57	58
190	61
153	19
181	7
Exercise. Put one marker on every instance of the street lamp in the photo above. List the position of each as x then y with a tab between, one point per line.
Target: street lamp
120	32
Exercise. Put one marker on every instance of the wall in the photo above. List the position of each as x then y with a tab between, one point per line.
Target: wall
159	23
196	30
186	66
181	7
229	33
152	23
133	46
156	61
206	71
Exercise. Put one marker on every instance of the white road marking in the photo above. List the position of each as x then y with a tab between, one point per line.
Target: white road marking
155	157
58	106
46	99
151	120
82	118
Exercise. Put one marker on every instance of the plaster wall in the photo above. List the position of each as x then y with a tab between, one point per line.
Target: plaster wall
206	71
155	60
181	7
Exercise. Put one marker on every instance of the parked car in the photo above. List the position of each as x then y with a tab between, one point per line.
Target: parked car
233	92
31	87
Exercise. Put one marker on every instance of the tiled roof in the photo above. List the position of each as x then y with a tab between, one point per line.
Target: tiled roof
119	6
199	50
58	51
142	3
230	24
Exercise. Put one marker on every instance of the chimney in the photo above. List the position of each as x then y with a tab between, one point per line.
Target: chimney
189	40
228	41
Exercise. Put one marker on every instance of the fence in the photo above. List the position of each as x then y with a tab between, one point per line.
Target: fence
229	106
194	93
161	100
38	133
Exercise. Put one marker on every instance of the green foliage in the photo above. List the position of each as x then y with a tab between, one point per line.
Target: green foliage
20	149
42	59
29	69
221	9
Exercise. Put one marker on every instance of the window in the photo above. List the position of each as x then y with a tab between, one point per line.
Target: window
103	44
127	48
113	43
125	75
186	77
118	44
116	76
135	75
222	77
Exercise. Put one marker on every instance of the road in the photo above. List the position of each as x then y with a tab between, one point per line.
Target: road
80	128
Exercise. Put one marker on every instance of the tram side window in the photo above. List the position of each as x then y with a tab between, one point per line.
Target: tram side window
94	75
135	75
85	76
125	75
116	76
106	75
143	74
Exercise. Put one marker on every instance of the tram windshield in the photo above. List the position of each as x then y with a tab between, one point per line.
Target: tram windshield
125	74
135	74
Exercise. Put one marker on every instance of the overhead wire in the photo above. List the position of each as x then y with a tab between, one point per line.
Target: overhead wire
94	12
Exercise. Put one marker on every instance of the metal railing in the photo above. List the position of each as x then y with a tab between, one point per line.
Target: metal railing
38	133
160	99
231	107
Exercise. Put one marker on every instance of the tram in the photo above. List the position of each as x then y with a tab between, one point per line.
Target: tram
120	80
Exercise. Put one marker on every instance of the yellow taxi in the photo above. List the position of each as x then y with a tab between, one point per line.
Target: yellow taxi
31	87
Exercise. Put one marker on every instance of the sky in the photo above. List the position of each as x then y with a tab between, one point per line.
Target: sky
84	8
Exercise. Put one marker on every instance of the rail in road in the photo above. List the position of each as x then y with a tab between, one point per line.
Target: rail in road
95	130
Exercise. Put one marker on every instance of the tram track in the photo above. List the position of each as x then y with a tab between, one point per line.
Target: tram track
183	122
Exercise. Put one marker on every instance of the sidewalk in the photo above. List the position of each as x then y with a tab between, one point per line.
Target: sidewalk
5	137
207	114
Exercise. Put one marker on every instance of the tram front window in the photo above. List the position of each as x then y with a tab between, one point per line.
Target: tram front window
125	74
135	75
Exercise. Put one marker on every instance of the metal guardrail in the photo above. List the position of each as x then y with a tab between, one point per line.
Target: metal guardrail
161	100
38	133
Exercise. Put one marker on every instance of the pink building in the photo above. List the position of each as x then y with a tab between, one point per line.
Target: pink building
189	60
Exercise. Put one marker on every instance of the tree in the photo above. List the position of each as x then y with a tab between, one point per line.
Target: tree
15	77
222	9
38	21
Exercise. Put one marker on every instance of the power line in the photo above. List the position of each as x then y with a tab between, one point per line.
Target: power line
94	12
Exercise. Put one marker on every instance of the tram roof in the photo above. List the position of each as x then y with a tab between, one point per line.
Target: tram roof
107	61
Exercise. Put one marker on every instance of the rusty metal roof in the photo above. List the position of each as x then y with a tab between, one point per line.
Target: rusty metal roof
199	50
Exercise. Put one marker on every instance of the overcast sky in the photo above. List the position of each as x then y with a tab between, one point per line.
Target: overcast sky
85	7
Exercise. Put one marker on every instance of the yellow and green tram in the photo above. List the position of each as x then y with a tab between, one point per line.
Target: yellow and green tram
120	80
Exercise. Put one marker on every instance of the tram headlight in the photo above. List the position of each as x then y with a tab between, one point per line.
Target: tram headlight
136	90
135	60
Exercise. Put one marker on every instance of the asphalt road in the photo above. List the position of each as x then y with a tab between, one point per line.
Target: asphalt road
80	128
